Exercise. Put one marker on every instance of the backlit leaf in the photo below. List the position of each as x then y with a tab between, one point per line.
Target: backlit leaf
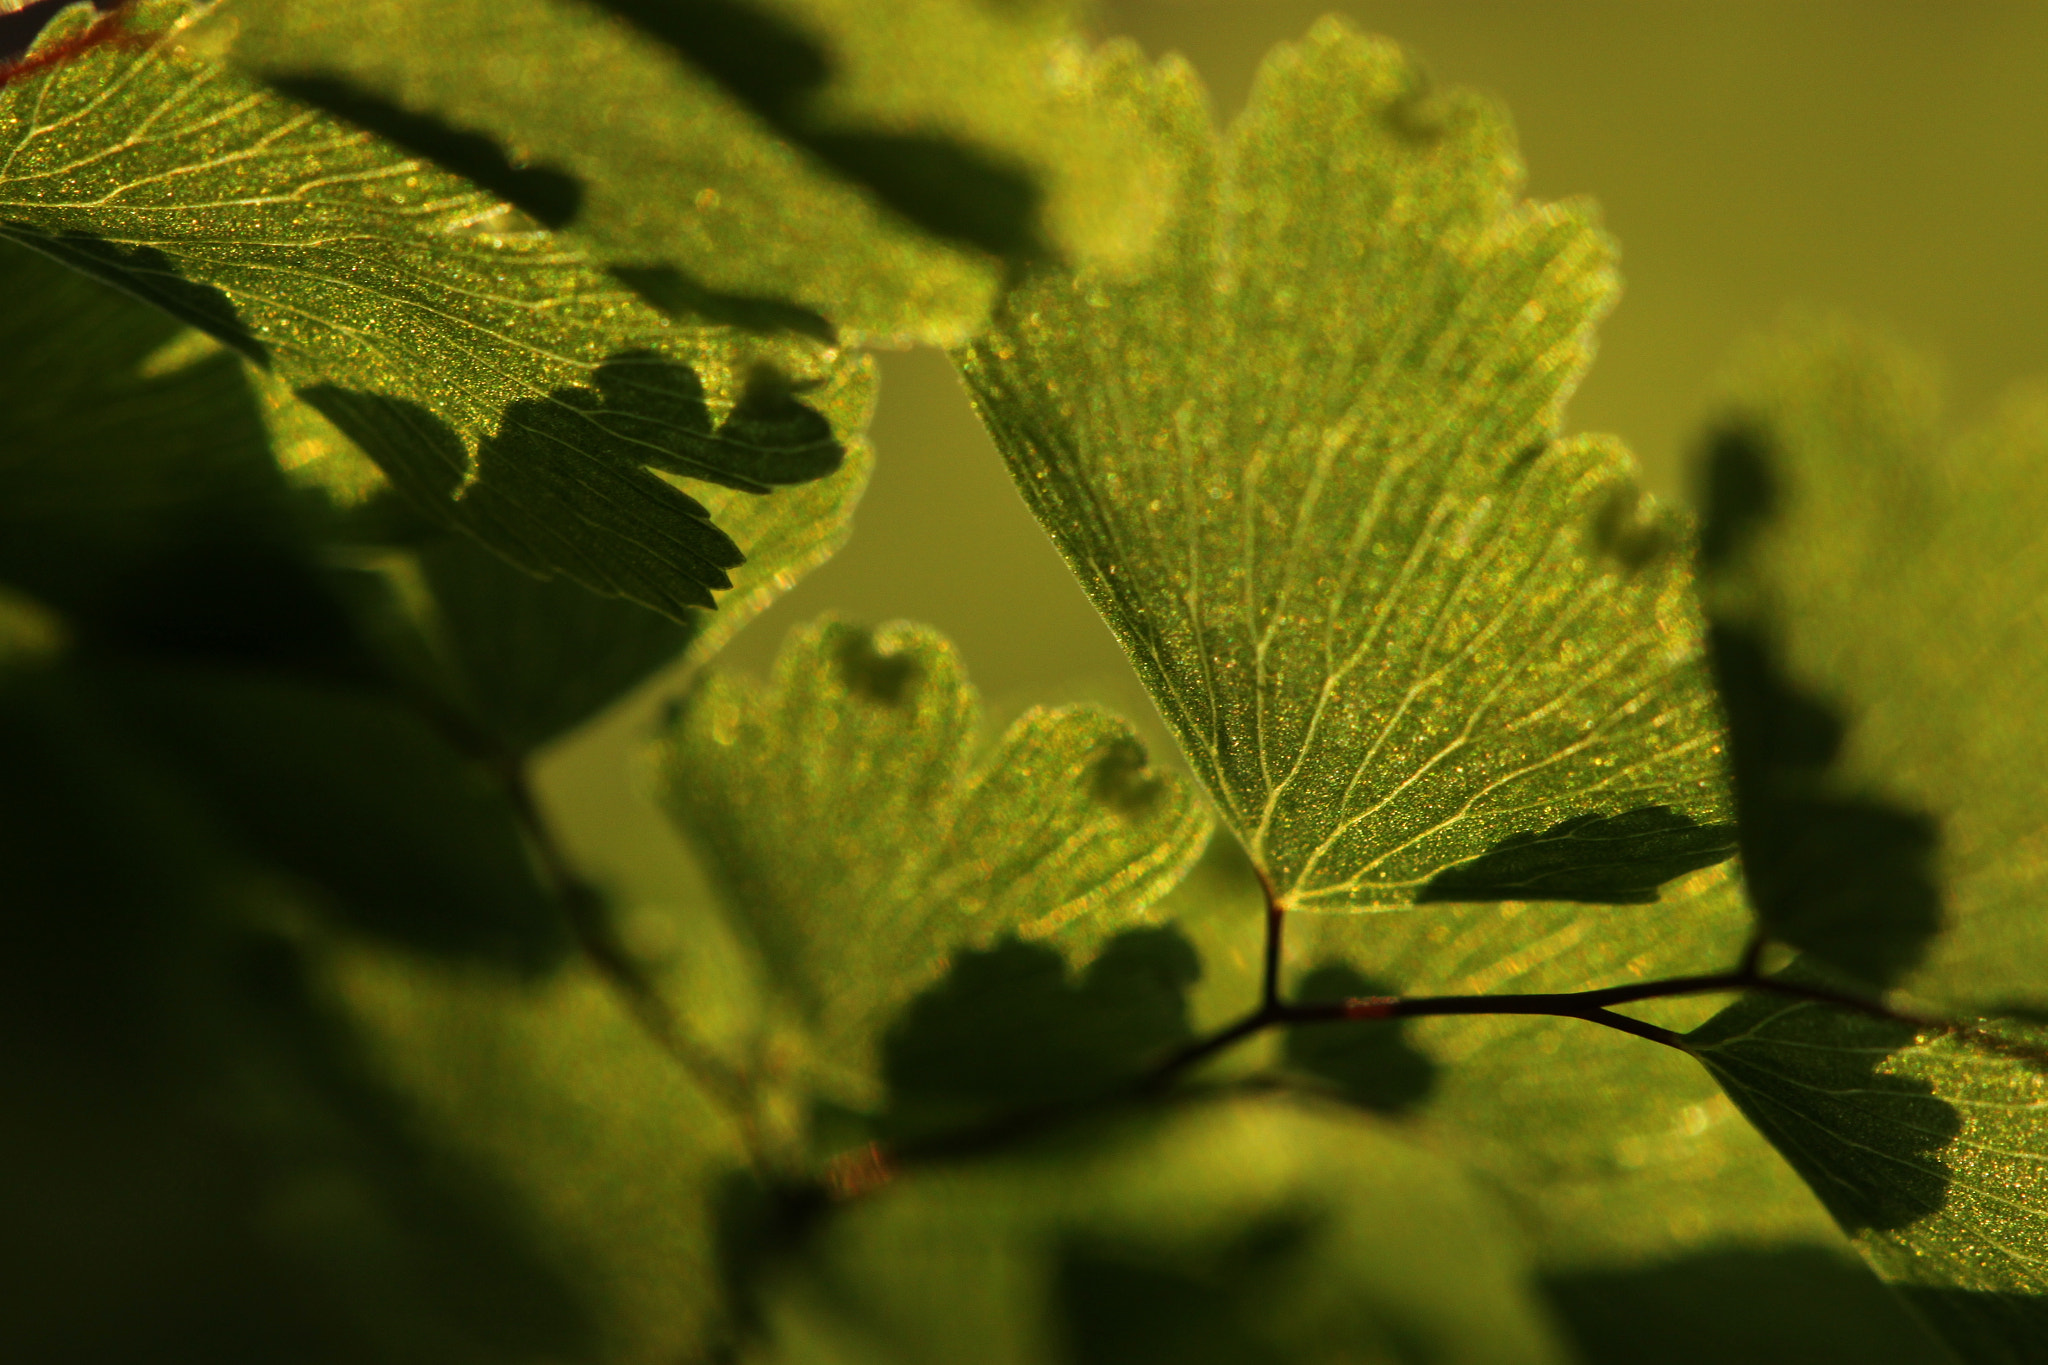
1310	467
863	841
1877	591
1927	1145
498	377
780	164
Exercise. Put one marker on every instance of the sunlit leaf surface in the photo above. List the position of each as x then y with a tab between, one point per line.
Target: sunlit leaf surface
1927	1145
1877	590
500	379
1412	637
863	840
792	164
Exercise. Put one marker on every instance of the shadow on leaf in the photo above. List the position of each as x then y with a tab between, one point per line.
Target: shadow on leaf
1011	1028
148	274
1122	1304
1985	1325
1371	1064
538	656
1784	1306
778	71
1812	1080
1840	874
580	458
678	295
552	197
1598	859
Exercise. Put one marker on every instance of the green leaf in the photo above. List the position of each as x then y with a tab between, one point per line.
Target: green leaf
497	376
532	658
1651	1210
804	164
1926	1144
1247	1232
130	459
201	1140
551	1092
862	841
1874	586
309	777
1309	466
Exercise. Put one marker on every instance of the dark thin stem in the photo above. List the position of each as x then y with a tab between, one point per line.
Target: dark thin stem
587	914
585	908
1276	930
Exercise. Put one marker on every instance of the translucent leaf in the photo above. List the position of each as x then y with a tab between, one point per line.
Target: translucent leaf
1309	466
863	842
1650	1208
1876	589
795	165
1927	1145
532	658
498	377
1247	1232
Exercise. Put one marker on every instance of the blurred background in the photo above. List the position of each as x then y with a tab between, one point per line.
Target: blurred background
1884	158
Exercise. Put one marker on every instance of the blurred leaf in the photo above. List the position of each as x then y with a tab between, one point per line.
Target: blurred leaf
1242	1232
550	1089
1927	1146
800	164
1876	590
1785	1306
214	1176
1010	1029
496	375
861	842
1309	467
388	826
140	498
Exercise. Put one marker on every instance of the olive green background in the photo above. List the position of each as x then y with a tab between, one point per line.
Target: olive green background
1883	158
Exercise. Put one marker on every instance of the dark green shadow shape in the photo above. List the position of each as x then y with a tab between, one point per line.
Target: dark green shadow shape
150	275
1785	1306
1808	1077
943	186
580	458
1370	1063
1596	859
1986	1328
1841	875
680	295
1122	1304
1010	1029
536	657
217	1176
551	196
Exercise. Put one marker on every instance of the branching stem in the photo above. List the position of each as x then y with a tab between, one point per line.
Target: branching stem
589	921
